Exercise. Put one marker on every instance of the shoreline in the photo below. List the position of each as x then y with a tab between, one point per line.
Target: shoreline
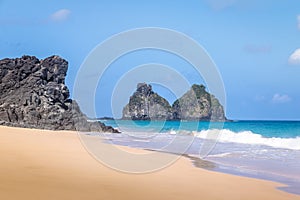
287	185
55	165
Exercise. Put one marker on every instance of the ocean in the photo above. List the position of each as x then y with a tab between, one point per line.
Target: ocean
267	150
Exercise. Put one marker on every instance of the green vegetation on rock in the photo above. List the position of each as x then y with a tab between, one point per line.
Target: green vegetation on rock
144	104
195	104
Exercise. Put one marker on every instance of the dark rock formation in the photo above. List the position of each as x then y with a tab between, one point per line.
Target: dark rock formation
196	104
34	95
144	104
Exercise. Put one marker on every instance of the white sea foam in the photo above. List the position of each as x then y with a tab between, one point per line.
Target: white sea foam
248	137
219	155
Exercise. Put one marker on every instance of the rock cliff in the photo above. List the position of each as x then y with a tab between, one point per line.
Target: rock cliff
145	104
34	95
195	104
198	104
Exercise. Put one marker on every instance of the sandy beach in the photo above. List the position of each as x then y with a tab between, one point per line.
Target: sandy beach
39	164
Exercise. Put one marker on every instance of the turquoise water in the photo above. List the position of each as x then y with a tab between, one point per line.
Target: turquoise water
280	134
268	129
262	149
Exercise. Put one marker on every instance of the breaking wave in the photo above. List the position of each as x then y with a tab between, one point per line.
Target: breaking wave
248	137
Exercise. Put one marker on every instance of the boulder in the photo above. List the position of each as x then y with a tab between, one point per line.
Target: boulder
34	95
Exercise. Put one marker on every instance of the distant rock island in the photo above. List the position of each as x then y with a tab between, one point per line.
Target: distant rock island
198	104
145	104
195	104
34	95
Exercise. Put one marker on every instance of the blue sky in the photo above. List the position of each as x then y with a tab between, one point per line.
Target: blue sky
254	44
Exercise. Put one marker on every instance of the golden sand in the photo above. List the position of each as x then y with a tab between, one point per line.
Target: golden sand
44	165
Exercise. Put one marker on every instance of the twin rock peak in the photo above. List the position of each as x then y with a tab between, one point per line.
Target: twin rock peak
195	104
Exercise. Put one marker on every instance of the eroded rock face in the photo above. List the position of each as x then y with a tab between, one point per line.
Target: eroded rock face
145	104
34	95
196	104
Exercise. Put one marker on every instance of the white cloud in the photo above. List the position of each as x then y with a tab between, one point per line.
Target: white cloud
298	19
60	15
295	58
278	98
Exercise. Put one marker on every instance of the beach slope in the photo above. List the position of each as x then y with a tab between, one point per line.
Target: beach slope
40	164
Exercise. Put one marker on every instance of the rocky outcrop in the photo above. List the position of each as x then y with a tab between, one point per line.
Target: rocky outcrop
196	104
34	95
145	104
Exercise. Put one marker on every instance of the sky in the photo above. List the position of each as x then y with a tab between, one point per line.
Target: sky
255	45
